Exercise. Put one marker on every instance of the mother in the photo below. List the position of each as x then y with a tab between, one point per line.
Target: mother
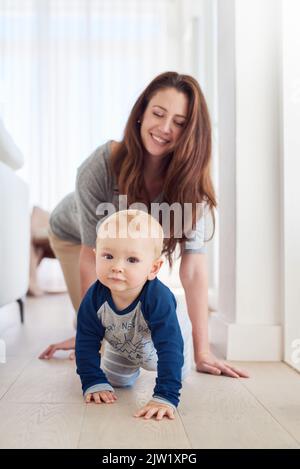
165	156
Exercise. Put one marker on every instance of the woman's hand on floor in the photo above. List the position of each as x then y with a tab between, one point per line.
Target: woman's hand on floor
155	408
68	344
108	397
208	363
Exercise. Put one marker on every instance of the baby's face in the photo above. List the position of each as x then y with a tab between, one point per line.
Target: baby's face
124	263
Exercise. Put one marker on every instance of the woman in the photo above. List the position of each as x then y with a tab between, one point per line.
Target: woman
165	156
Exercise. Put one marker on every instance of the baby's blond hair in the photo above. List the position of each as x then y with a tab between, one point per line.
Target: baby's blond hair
135	224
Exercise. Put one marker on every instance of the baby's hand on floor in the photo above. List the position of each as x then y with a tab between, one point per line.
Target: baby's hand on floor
107	397
156	408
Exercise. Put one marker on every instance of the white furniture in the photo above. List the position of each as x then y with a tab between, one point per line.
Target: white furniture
14	224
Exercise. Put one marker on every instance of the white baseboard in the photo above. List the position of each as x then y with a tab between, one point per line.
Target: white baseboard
246	342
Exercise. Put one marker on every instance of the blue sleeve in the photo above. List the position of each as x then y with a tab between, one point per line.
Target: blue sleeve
90	333
161	316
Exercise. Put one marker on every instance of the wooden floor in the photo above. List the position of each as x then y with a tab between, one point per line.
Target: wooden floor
41	404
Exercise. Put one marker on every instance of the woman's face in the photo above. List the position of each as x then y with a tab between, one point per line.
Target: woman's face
163	121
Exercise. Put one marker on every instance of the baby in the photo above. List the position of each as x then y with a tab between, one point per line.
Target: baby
134	312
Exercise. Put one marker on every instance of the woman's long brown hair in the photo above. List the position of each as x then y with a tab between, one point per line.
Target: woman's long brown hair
187	177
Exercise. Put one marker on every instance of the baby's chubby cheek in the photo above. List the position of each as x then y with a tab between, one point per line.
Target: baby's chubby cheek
100	273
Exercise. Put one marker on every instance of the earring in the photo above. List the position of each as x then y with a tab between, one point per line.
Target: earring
138	122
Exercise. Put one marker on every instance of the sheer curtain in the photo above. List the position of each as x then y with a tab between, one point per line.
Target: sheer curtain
70	71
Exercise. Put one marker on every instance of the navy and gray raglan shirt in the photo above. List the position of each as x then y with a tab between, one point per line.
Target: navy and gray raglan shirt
146	332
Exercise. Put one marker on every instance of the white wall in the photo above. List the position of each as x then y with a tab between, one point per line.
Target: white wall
247	324
290	179
257	162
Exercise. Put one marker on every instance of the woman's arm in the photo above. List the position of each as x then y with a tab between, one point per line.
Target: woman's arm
194	279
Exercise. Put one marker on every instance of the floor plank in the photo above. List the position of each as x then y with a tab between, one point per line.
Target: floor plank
10	371
40	425
113	425
41	404
277	388
47	381
219	412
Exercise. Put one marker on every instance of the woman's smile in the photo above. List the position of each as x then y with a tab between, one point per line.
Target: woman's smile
159	140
